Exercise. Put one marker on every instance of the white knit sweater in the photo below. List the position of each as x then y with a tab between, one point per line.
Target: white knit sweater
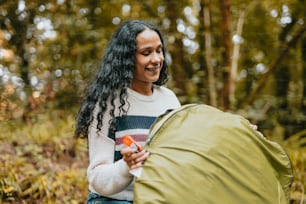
108	175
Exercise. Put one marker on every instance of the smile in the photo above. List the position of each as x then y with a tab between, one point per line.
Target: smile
152	68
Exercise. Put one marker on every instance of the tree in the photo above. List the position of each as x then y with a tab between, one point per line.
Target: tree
226	52
57	47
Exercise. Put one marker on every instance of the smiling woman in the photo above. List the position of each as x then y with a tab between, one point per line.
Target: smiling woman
149	61
125	98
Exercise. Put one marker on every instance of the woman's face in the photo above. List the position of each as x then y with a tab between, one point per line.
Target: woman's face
149	57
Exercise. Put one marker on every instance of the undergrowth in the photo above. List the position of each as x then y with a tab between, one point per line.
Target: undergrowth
295	147
42	163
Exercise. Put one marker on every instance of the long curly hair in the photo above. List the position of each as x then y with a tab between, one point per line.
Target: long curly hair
114	76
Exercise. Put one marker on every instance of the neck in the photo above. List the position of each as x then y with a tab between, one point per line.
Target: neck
144	89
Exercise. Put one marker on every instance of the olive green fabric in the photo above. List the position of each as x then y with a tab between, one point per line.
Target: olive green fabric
202	155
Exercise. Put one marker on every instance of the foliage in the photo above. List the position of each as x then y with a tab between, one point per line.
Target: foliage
295	148
49	51
42	163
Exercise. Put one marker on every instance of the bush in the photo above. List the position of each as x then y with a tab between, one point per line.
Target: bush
42	163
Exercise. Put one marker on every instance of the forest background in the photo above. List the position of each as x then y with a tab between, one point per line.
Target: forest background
246	57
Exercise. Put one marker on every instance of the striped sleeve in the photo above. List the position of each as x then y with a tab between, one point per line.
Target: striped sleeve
135	126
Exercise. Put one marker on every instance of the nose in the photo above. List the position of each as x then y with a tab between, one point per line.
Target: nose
157	58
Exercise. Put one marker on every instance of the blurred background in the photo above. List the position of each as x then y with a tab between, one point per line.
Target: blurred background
246	57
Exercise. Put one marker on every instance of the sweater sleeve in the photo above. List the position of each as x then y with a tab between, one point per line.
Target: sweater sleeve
105	176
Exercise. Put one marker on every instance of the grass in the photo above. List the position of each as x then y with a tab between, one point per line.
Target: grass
42	163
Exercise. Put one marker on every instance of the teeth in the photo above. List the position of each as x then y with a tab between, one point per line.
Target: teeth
152	69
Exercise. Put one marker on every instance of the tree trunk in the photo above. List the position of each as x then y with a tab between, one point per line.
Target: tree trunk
235	58
208	53
226	52
295	86
19	39
176	48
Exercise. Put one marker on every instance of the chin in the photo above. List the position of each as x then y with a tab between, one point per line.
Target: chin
154	80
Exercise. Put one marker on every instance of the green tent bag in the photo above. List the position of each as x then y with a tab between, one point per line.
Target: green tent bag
201	155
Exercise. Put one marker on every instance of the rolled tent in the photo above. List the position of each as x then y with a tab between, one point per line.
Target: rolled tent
200	154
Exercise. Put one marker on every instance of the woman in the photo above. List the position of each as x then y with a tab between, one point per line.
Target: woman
125	98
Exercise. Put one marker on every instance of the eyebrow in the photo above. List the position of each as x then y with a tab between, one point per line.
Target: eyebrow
149	47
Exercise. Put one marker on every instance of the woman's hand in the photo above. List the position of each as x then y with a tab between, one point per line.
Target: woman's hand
255	127
133	158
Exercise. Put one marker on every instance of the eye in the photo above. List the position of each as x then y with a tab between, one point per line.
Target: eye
159	50
146	53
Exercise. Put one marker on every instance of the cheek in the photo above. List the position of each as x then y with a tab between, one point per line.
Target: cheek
141	61
139	68
162	57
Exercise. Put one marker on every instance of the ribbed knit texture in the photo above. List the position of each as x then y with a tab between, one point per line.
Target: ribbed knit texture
108	174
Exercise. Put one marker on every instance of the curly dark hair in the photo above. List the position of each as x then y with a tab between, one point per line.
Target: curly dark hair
115	73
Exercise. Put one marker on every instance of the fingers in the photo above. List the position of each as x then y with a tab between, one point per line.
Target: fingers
127	156
134	159
254	127
131	164
140	159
